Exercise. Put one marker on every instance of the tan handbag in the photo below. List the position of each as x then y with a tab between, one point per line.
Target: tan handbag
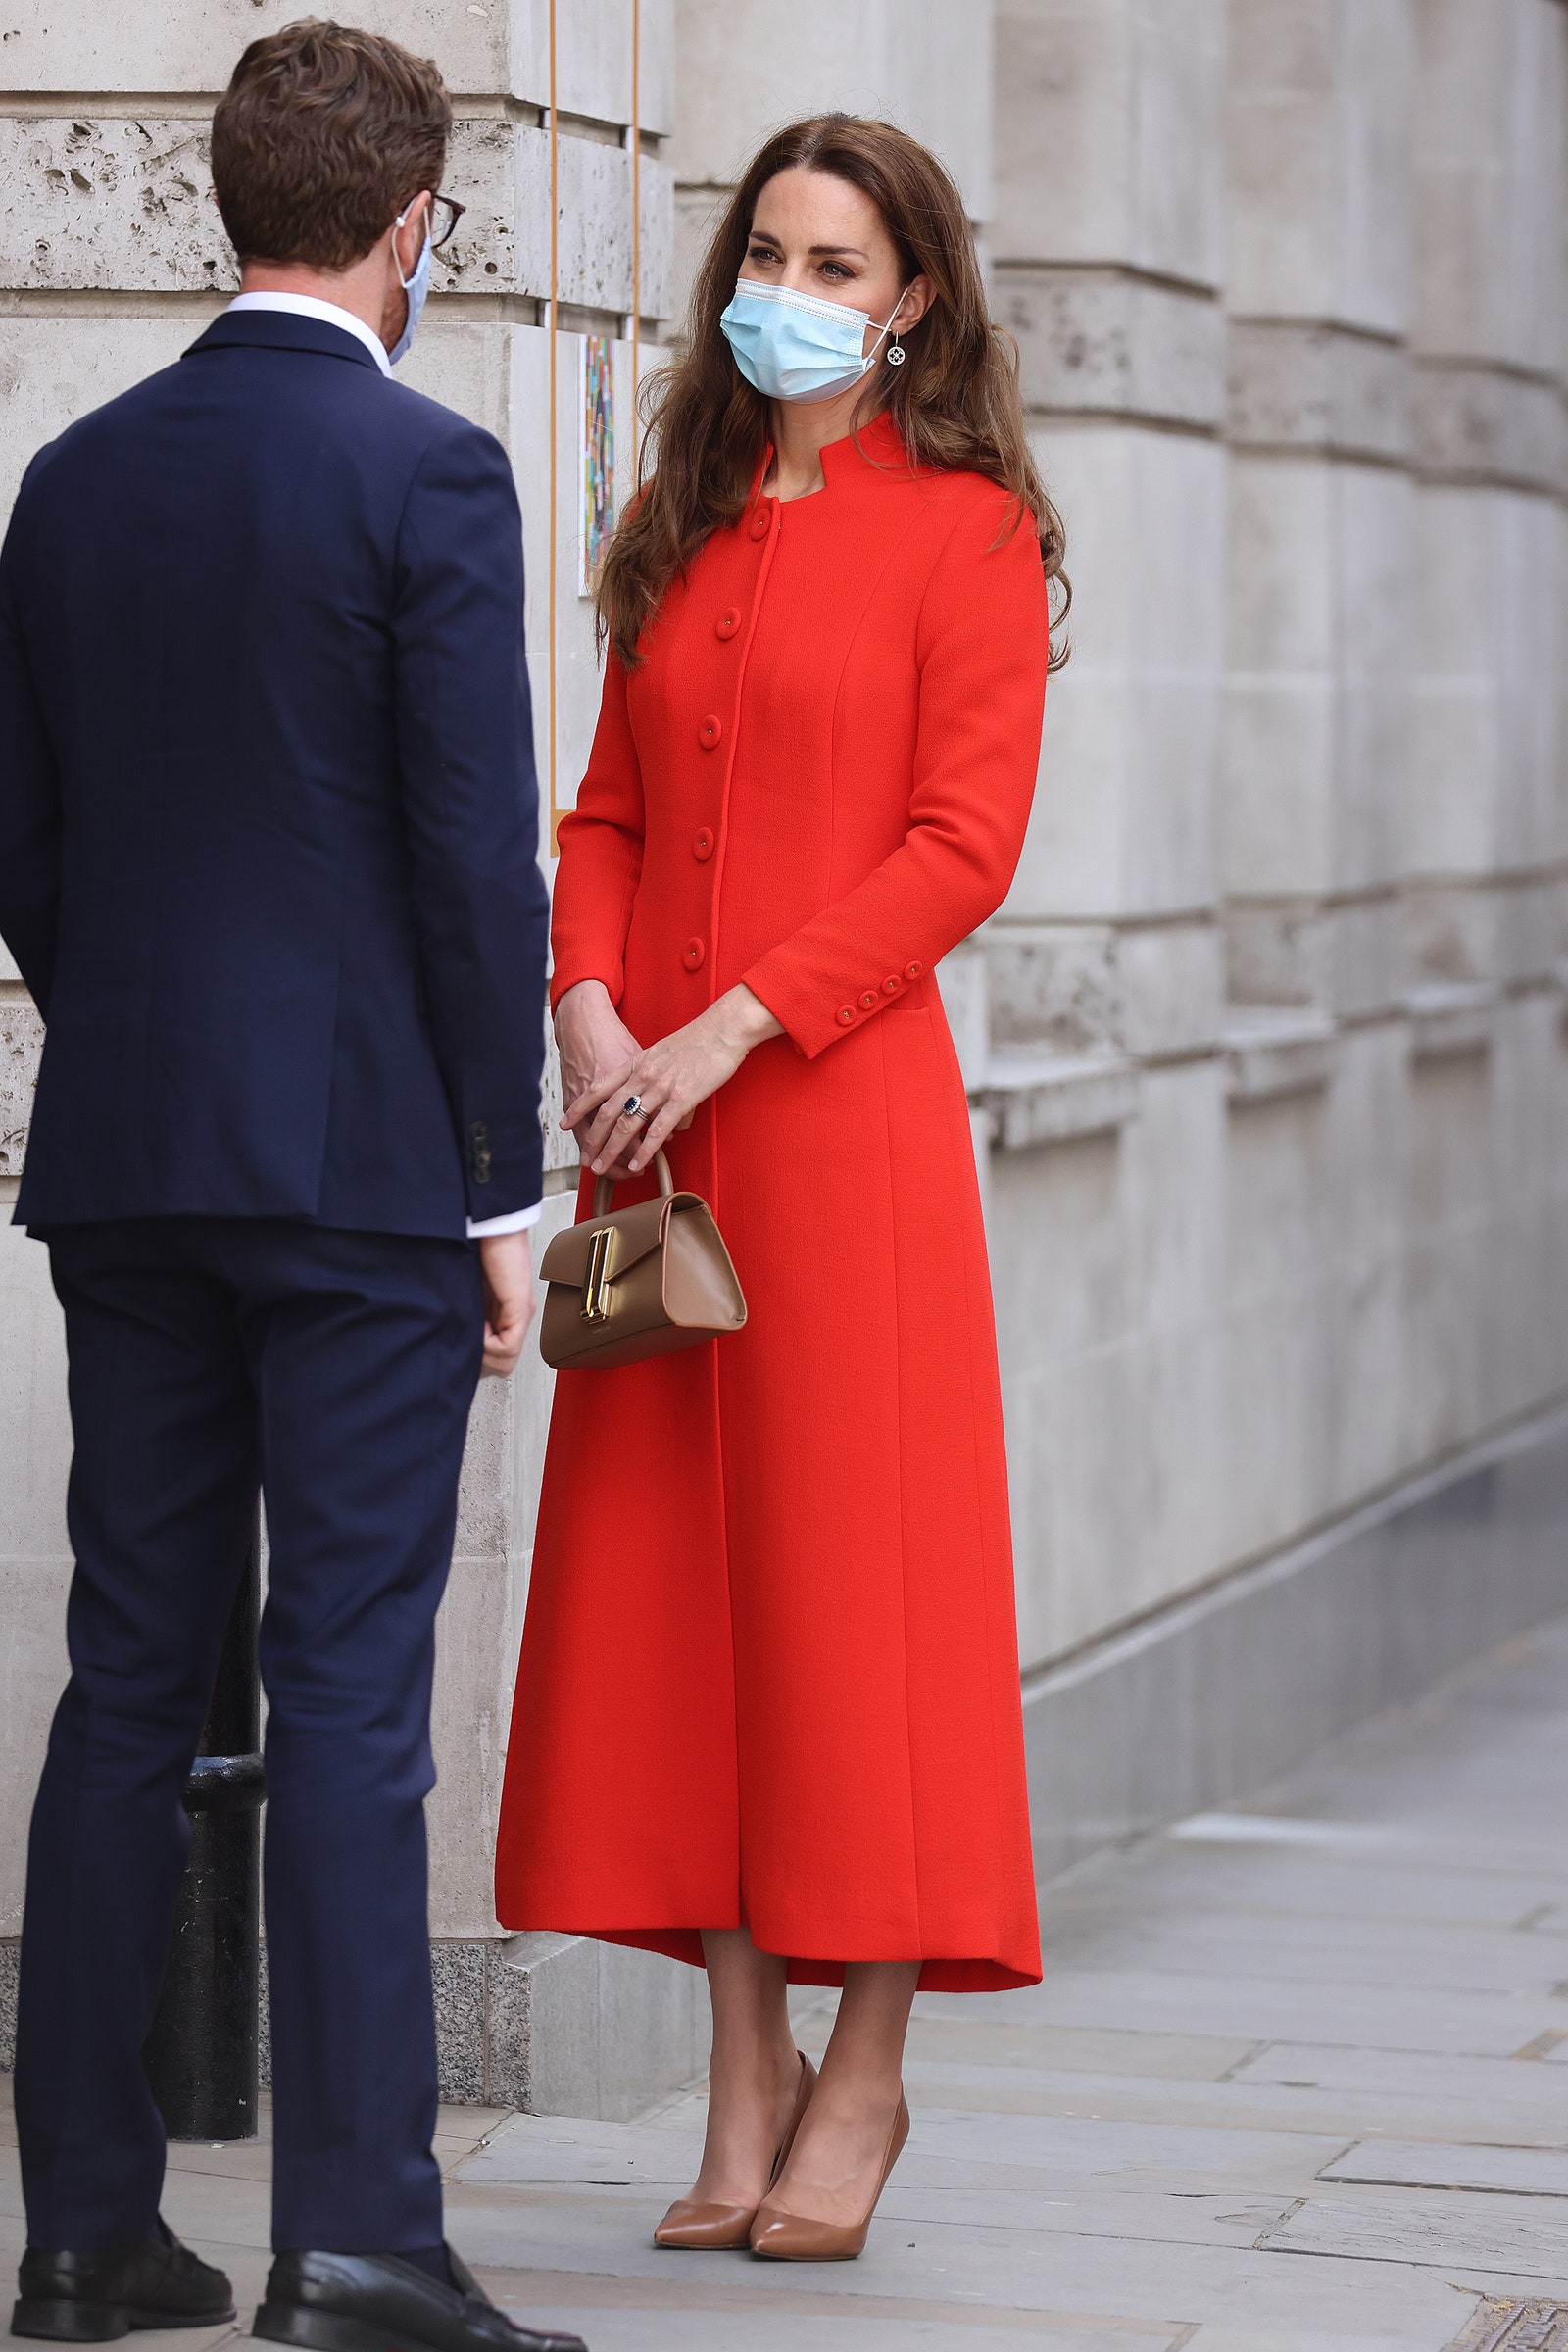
637	1283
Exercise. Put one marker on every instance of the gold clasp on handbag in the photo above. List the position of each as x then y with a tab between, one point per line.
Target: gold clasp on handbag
627	1287
594	1307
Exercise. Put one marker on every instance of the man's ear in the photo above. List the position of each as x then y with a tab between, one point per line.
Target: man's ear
408	240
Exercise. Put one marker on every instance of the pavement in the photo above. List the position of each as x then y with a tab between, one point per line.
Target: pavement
1296	2080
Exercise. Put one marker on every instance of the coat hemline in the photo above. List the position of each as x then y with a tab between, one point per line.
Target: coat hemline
939	1973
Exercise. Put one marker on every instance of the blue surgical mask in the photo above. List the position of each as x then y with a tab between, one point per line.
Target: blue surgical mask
795	346
415	288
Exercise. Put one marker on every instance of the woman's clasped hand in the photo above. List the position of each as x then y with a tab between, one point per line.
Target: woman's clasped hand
602	1065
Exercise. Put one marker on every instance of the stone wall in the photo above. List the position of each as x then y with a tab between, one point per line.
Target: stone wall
1266	1049
1287	282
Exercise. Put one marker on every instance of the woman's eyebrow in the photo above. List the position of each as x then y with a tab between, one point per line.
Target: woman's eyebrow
759	236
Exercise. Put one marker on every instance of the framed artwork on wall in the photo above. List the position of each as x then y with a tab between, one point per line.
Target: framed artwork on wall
596	410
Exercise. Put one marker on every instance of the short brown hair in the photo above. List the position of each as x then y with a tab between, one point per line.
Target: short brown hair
322	137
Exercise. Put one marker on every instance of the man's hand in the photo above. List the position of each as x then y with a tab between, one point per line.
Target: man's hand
507	1265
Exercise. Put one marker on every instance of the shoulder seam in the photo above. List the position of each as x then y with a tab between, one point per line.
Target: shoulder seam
966	509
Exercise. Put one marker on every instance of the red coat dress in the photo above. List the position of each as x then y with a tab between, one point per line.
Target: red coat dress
769	1670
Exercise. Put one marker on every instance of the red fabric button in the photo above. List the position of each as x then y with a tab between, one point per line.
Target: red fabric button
703	846
892	985
710	732
694	955
869	1001
727	622
846	1014
912	972
762	520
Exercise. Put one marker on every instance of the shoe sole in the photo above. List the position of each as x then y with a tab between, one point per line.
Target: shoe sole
768	2254
60	2320
326	2330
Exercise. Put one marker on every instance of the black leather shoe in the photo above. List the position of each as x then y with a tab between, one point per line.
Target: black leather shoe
89	2298
375	2303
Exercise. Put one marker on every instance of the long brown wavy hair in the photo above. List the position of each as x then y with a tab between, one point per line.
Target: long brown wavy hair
956	403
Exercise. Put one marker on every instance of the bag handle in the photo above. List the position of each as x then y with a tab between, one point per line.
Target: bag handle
603	1190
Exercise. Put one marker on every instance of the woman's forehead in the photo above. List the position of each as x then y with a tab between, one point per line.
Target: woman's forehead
817	208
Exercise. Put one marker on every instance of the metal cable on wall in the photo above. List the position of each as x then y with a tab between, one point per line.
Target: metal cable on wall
635	135
555	305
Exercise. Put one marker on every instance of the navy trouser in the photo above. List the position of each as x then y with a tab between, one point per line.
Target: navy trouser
334	1370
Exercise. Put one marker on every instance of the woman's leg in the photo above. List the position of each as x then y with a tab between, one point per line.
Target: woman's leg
754	2074
837	2159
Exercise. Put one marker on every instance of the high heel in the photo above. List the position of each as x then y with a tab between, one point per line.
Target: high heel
782	2237
707	2229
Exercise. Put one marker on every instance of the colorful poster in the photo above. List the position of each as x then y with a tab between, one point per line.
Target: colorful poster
598	411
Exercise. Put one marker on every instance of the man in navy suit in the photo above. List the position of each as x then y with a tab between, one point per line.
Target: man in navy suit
269	866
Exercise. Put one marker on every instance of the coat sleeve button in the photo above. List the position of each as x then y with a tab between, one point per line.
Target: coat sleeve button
846	1015
694	955
912	972
703	846
710	732
728	622
869	1001
892	985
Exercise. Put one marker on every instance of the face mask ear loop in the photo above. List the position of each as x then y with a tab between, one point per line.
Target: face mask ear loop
897	354
396	259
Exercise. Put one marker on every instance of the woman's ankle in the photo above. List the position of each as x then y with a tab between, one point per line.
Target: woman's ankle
853	2092
755	2078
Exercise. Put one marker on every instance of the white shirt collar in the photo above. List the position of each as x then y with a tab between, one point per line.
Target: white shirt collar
330	314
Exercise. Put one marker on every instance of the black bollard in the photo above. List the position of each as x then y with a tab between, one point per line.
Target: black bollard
202	2053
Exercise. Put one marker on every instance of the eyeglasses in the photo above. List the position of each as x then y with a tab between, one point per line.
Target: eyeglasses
445	213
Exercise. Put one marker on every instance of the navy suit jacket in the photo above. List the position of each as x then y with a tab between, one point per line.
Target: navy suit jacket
267	811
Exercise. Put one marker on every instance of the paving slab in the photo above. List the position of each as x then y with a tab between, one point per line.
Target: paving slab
1519	2236
1294	2082
1287	1948
1258	2007
1524	2088
1416	2164
1116	2276
1166	1877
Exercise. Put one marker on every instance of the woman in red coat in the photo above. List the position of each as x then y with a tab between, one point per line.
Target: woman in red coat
767	1713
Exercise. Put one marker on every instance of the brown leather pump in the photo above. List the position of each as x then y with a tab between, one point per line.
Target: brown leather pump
705	2228
795	2237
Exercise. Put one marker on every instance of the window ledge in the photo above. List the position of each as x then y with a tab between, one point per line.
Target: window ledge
1272	1051
1044	1098
1451	1017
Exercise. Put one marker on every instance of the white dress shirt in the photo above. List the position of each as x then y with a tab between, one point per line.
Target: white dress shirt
331	313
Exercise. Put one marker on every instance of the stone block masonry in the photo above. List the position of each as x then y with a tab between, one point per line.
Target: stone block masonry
1289	295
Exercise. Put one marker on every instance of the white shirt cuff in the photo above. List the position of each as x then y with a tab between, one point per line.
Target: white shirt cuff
518	1222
